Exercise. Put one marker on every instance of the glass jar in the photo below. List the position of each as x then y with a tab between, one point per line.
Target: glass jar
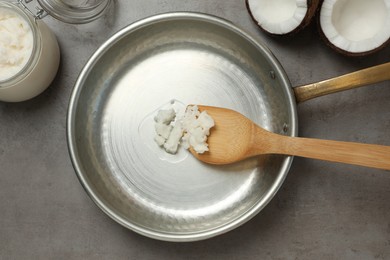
75	11
41	66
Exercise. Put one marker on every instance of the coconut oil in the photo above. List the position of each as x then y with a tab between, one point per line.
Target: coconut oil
29	54
16	43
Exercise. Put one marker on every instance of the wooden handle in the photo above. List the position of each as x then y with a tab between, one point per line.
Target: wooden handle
369	155
352	80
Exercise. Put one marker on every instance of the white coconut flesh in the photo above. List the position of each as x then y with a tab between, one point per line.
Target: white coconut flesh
278	16
356	25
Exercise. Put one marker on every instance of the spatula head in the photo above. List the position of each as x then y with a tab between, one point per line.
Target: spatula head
230	138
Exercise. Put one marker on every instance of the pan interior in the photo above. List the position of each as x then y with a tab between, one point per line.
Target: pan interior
180	60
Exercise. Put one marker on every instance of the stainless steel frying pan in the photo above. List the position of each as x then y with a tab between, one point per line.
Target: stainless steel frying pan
173	60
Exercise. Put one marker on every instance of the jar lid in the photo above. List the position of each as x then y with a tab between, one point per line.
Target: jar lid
75	11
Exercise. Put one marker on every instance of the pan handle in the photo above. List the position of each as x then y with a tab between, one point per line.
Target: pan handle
352	80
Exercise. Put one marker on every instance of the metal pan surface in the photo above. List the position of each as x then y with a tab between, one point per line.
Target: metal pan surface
176	59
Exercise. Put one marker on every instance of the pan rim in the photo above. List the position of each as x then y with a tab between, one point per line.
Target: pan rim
71	138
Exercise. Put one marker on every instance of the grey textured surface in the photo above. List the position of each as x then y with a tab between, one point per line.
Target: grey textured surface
323	210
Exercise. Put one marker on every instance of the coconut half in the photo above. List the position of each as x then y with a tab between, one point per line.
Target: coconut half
282	17
355	27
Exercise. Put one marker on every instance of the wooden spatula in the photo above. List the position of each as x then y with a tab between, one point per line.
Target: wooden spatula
236	137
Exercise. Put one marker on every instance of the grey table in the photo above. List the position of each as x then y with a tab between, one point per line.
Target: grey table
323	210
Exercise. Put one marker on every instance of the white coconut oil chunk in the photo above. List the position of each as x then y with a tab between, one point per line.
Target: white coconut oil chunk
16	43
356	25
278	16
197	128
162	126
172	143
190	130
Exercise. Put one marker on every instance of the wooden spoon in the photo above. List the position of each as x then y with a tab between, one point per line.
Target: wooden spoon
236	137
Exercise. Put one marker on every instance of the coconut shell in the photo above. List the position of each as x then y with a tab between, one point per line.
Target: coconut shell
312	8
342	51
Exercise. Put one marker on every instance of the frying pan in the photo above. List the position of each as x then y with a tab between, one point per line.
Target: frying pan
169	60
